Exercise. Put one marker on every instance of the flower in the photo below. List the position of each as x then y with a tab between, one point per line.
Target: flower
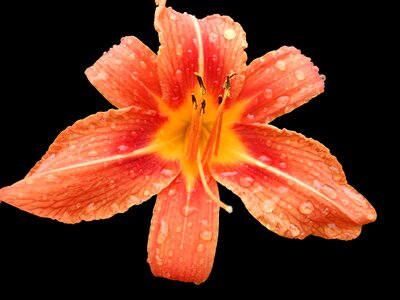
191	116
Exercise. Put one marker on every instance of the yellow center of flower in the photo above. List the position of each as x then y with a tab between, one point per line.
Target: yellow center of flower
193	135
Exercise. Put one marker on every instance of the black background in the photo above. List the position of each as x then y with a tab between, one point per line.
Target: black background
46	49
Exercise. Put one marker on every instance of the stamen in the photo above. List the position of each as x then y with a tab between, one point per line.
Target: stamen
228	208
201	83
194	132
215	135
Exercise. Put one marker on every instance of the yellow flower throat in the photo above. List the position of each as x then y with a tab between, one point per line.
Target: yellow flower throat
193	135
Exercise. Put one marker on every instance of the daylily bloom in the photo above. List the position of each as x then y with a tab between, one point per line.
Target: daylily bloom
191	116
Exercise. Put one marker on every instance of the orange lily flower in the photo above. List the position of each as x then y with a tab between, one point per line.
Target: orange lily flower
191	116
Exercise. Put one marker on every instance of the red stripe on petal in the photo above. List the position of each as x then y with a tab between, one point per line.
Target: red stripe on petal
293	185
127	75
98	167
277	83
184	232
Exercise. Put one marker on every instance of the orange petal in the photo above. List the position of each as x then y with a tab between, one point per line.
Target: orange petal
277	83
184	232
127	75
98	167
293	185
212	47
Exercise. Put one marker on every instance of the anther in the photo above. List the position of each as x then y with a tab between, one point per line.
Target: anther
203	107
194	102
201	83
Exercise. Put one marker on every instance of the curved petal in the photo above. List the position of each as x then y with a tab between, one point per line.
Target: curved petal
212	47
277	83
293	185
184	232
98	167
127	75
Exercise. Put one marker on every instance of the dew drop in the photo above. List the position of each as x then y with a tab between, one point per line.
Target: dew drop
281	65
188	210
283	189
250	116
178	229
206	235
92	153
179	50
268	143
299	75
294	230
229	34
268	206
306	208
170	253
91	207
122	148
132	56
179	74
352	194
113	125
328	191
212	37
229	174
172	16
282	101
167	173
283	165
246	181
323	77
200	248
265	159
163	232
171	192
146	192
268	93
331	230
143	65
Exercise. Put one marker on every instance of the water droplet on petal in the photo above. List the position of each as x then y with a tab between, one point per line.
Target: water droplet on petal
306	208
246	181
229	34
163	232
212	37
299	74
172	16
268	205
294	230
179	74
179	50
331	230
92	153
171	192
283	165
229	174
167	173
188	210
283	189
206	235
268	143
113	125
200	248
323	77
122	148
146	192
170	253
143	65
328	191
282	101
268	93
281	65
354	195
265	159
